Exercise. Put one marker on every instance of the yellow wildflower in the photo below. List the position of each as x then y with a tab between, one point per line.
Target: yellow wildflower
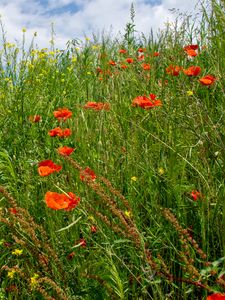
11	274
134	178
127	213
24	30
190	93
17	252
161	171
33	280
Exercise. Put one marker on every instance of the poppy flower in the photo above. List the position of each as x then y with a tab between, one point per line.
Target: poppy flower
61	201
83	243
191	50
60	132
62	114
173	70
97	106
146	102
112	63
87	174
207	80
47	167
216	296
122	66
65	151
129	60
13	210
155	54
146	66
192	71
93	229
141	57
195	195
35	118
122	51
140	50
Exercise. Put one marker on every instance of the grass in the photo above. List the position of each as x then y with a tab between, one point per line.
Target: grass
151	216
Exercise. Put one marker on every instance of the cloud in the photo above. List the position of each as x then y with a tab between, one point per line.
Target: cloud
76	18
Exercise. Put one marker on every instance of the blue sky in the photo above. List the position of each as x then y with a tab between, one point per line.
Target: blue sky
79	18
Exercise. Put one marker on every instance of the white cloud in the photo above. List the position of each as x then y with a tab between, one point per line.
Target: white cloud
92	16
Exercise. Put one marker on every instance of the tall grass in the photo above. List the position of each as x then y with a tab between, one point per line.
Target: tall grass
151	216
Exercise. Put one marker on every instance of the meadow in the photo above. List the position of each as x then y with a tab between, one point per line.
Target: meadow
112	158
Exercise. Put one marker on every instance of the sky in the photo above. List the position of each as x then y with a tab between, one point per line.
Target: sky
80	18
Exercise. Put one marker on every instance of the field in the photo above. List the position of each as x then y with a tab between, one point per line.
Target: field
112	165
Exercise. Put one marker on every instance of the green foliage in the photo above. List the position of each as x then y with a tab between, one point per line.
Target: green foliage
150	225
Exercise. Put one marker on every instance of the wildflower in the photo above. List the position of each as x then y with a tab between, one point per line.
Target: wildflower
112	63
190	93
129	60
61	201
140	50
71	255
17	252
127	213
146	66
11	274
207	80
13	211
97	106
146	102
65	151
24	30
33	280
134	178
60	132
93	228
192	71
155	54
141	57
87	174
83	243
35	118
216	296
87	39
123	66
62	114
173	70
195	195
46	167
191	50
161	171
122	51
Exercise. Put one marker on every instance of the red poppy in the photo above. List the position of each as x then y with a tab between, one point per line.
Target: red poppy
112	63
192	71
47	167
97	106
123	66
65	151
93	228
60	132
146	66
35	118
146	102
87	174
216	296
62	114
13	210
83	243
207	80
141	57
129	60
140	50
195	195
173	70
191	50
155	54
122	51
61	201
